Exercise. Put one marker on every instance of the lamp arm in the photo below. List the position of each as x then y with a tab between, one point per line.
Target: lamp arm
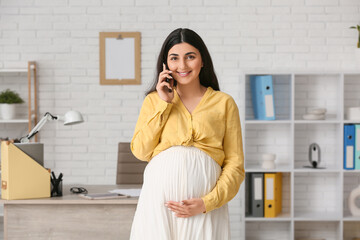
38	126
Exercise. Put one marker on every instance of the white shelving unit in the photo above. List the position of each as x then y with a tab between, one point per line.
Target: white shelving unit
314	200
31	86
10	77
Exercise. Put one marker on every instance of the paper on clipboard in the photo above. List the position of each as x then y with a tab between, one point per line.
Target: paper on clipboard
133	192
120	58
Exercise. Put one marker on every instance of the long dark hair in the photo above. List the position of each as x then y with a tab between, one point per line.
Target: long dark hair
207	74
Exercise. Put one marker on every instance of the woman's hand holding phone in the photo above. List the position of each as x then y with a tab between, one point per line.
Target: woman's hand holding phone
165	85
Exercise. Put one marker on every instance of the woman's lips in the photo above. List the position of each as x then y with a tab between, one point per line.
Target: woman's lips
184	74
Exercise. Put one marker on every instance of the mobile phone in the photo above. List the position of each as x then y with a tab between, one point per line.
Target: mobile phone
167	79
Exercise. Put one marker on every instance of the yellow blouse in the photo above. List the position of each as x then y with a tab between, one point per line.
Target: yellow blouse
213	127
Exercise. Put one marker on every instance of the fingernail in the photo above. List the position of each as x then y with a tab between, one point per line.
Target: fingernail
169	208
166	204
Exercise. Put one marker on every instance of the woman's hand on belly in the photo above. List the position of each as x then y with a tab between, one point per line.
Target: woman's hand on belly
187	208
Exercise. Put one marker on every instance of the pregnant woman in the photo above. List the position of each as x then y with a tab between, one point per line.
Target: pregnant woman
189	132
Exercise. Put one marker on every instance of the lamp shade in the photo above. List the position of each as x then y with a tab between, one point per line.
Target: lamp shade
73	117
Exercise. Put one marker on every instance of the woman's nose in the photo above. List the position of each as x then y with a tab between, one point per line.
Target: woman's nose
182	64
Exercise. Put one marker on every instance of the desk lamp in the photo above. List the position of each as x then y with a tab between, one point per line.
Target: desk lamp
70	118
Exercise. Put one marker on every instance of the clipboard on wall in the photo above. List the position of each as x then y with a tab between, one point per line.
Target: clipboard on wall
120	58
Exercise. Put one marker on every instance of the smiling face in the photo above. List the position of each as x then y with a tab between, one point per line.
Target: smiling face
185	62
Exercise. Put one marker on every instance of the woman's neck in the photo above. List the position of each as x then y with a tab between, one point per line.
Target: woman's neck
194	89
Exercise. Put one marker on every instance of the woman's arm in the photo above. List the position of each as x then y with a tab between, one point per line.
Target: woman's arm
153	116
233	172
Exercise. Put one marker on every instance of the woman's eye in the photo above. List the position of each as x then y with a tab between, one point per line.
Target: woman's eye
191	57
173	58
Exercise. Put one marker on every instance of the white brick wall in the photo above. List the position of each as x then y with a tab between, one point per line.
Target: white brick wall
62	36
316	194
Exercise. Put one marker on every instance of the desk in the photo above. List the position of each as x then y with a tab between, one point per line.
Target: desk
70	217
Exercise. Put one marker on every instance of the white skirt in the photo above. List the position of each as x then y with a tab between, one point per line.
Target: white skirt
176	174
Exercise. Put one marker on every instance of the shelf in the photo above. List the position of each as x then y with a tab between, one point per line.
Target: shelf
16	70
285	214
8	81
351	219
328	137
283	217
351	171
13	70
351	230
257	168
328	169
352	121
351	95
267	122
326	121
316	197
315	200
268	138
351	181
316	216
267	230
20	120
282	98
318	91
14	121
330	230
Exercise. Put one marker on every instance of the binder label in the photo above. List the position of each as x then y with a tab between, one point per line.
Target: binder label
269	106
357	142
349	156
269	188
258	189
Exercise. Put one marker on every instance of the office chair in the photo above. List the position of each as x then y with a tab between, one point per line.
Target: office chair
130	170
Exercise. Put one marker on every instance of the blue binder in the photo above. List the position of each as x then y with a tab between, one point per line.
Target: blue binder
357	146
262	97
349	146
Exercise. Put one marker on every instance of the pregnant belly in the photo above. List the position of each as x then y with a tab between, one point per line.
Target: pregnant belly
180	173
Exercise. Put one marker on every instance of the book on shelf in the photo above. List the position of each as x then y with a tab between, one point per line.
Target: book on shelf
351	146
262	96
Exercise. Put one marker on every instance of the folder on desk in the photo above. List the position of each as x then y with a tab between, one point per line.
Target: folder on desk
262	95
273	194
21	176
357	146
257	194
349	146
